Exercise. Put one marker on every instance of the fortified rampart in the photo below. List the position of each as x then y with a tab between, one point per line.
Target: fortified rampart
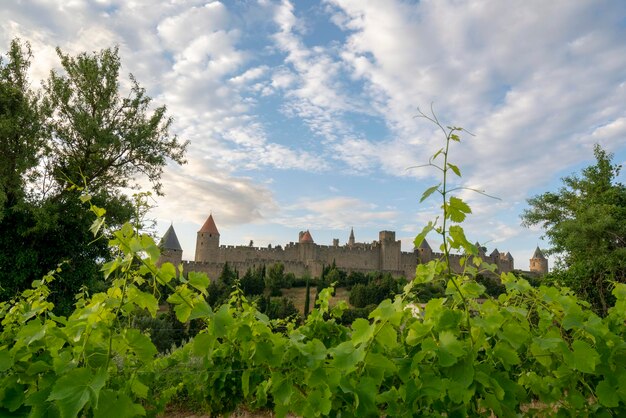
305	256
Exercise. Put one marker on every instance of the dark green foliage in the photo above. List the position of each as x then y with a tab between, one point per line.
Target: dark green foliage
252	283
381	286
493	286
351	314
585	222
80	130
427	291
217	293
275	278
228	276
530	352
22	134
281	308
307	298
165	331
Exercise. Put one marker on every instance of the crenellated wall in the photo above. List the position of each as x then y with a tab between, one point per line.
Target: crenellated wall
305	256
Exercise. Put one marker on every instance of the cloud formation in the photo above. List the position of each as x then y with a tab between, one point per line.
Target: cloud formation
284	101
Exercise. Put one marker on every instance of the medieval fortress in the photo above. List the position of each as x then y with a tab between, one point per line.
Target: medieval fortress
305	256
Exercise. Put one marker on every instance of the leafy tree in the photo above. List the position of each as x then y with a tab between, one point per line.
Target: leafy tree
228	276
275	278
99	136
307	297
79	130
252	283
585	221
21	130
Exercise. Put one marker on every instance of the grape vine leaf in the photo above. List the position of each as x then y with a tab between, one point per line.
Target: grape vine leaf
73	390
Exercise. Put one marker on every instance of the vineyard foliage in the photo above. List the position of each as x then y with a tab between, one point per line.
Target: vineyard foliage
530	351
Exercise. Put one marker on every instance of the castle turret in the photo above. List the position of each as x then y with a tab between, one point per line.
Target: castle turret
351	239
171	251
389	251
207	241
425	253
539	263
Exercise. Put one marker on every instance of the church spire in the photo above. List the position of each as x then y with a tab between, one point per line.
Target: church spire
351	239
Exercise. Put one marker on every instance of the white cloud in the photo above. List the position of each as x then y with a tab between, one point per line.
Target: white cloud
340	212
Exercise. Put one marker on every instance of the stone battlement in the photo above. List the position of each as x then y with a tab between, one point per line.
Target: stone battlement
305	256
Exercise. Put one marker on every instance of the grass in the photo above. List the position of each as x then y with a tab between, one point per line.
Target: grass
298	295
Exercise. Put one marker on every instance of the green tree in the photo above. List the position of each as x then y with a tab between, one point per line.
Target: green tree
83	130
585	221
228	275
252	283
21	130
101	135
275	278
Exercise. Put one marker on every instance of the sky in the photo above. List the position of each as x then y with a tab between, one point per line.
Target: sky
302	114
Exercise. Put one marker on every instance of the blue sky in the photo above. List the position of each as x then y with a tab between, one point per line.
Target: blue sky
301	114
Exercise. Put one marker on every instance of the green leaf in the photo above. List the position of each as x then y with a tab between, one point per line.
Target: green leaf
138	388
607	394
387	336
6	359
506	354
73	390
118	405
365	392
362	331
203	344
417	332
346	357
515	334
282	391
437	154
182	312
583	357
198	280
166	273
422	235
472	289
457	209
245	382
455	169
450	349
429	191
201	309
425	273
222	321
141	345
458	239
96	225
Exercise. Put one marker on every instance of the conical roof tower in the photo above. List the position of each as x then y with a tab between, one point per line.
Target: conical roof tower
170	240
539	263
207	241
209	226
171	251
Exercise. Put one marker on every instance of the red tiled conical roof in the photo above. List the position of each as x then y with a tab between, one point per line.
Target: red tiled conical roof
209	226
306	237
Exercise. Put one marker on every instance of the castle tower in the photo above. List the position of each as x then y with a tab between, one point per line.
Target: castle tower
207	241
171	251
308	251
351	239
539	263
424	252
389	251
494	258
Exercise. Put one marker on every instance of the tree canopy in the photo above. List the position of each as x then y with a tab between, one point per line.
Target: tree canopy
585	221
81	128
